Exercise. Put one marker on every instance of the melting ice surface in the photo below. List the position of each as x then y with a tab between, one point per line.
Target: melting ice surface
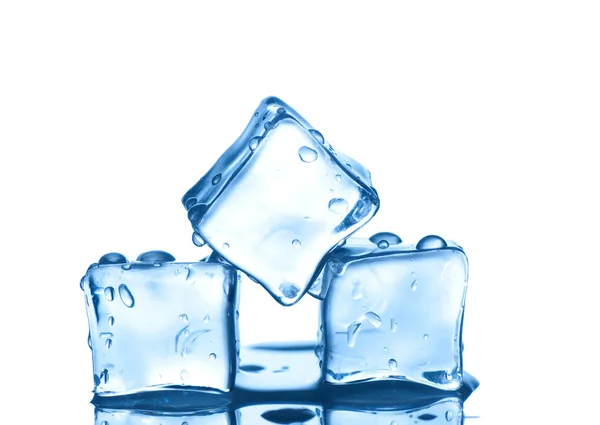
155	323
394	311
279	200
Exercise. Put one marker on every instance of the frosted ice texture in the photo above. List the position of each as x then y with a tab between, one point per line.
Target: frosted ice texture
394	312
158	324
279	200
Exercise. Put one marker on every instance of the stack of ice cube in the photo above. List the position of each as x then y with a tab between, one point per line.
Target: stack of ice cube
280	206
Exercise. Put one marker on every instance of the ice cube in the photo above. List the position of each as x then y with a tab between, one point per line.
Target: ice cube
279	200
394	311
448	411
157	324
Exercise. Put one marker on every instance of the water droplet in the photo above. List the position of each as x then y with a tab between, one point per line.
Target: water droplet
385	349
112	258
353	331
108	343
190	202
196	213
109	293
104	423
307	154
338	206
357	290
253	143
256	114
186	332
373	318
296	243
183	317
390	238
126	266
338	178
207	318
289	290
155	256
393	325
225	245
317	135
197	239
216	179
212	356
425	336
414	285
449	415
184	374
252	368
393	365
126	296
89	340
184	423
111	320
431	242
190	275
281	110
383	244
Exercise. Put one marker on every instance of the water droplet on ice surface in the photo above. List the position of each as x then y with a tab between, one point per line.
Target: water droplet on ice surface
317	135
216	179
390	238
353	331
383	244
212	356
431	242
184	374
373	318
183	318
109	293
393	365
338	206
111	320
155	256
338	178
108	343
414	286
112	258
197	240
307	154
449	415
253	143
126	296
393	325
296	243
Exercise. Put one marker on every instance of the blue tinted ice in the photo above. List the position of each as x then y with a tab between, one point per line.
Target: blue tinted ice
448	411
218	416
394	311
158	324
279	200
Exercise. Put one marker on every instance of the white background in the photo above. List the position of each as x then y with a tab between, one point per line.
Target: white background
478	120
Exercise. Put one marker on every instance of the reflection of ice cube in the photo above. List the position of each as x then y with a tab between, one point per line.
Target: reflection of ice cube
394	311
448	411
218	416
156	323
279	367
269	414
278	200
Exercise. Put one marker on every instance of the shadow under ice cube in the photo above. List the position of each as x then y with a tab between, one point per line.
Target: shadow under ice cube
394	311
279	200
156	324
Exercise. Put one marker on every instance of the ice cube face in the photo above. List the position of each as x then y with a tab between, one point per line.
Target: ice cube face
394	311
157	323
279	200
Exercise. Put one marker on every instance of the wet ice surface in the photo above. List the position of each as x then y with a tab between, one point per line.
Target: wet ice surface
394	311
378	396
278	200
155	323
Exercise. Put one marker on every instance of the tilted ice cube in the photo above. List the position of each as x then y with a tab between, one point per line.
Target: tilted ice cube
394	311
279	200
155	323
